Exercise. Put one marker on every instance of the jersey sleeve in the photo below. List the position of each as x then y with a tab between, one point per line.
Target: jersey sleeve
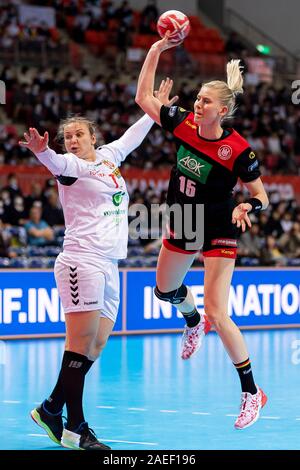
130	140
171	117
246	166
65	164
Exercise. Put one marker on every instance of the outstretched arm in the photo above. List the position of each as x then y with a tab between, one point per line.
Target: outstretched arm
34	141
38	145
145	89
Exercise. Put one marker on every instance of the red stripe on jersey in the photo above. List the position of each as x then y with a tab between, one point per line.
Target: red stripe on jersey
171	247
220	253
224	151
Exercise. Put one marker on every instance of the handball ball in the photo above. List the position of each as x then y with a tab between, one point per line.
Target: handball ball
176	22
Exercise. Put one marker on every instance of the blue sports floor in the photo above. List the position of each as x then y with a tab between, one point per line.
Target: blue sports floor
141	395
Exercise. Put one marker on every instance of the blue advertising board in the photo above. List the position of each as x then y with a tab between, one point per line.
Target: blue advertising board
30	305
260	298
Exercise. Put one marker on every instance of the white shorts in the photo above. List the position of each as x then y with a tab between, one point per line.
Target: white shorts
87	283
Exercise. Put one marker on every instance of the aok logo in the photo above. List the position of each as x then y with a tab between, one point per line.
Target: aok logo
2	92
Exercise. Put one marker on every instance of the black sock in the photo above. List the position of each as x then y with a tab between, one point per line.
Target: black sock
73	370
192	318
54	404
246	377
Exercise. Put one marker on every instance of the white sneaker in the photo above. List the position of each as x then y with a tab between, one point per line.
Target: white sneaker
192	337
83	439
250	408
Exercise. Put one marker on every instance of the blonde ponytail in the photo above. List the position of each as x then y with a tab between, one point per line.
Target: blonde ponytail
234	76
228	91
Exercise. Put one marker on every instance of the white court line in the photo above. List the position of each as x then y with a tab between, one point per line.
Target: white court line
106	407
297	419
11	401
200	413
270	417
232	416
107	440
168	411
130	442
137	409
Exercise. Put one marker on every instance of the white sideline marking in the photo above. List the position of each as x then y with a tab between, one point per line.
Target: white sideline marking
107	440
106	407
130	442
137	409
270	417
168	411
11	401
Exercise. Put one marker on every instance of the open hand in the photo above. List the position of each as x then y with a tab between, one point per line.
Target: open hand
34	141
164	91
164	43
240	215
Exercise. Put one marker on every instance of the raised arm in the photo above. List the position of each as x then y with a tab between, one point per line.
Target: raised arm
145	89
136	133
56	163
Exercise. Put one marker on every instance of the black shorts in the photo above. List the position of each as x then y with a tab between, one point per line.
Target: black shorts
219	237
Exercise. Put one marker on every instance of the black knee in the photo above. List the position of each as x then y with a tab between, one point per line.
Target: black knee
174	296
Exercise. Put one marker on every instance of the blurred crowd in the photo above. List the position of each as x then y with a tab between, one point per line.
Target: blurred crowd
32	225
29	34
265	116
32	228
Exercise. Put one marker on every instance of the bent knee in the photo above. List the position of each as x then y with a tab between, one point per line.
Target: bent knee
217	316
97	348
176	296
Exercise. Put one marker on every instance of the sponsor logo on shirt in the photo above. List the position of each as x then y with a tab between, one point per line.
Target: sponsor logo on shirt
117	173
225	152
227	252
97	173
190	124
117	198
172	111
110	165
224	241
252	155
253	166
192	165
115	212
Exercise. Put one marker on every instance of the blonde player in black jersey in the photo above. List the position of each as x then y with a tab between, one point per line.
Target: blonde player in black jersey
210	159
94	199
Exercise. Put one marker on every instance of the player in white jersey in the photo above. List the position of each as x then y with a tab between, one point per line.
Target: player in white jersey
94	198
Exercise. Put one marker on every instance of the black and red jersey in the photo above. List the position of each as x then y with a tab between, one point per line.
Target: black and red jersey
206	170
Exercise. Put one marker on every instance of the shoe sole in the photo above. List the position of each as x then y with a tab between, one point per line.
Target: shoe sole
37	419
264	400
70	446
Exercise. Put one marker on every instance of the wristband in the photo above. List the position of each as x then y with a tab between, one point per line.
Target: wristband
255	203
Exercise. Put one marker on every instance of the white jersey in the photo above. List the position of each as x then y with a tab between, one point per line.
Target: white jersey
94	196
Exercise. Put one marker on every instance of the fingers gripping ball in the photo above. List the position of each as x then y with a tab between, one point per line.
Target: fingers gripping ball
176	22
